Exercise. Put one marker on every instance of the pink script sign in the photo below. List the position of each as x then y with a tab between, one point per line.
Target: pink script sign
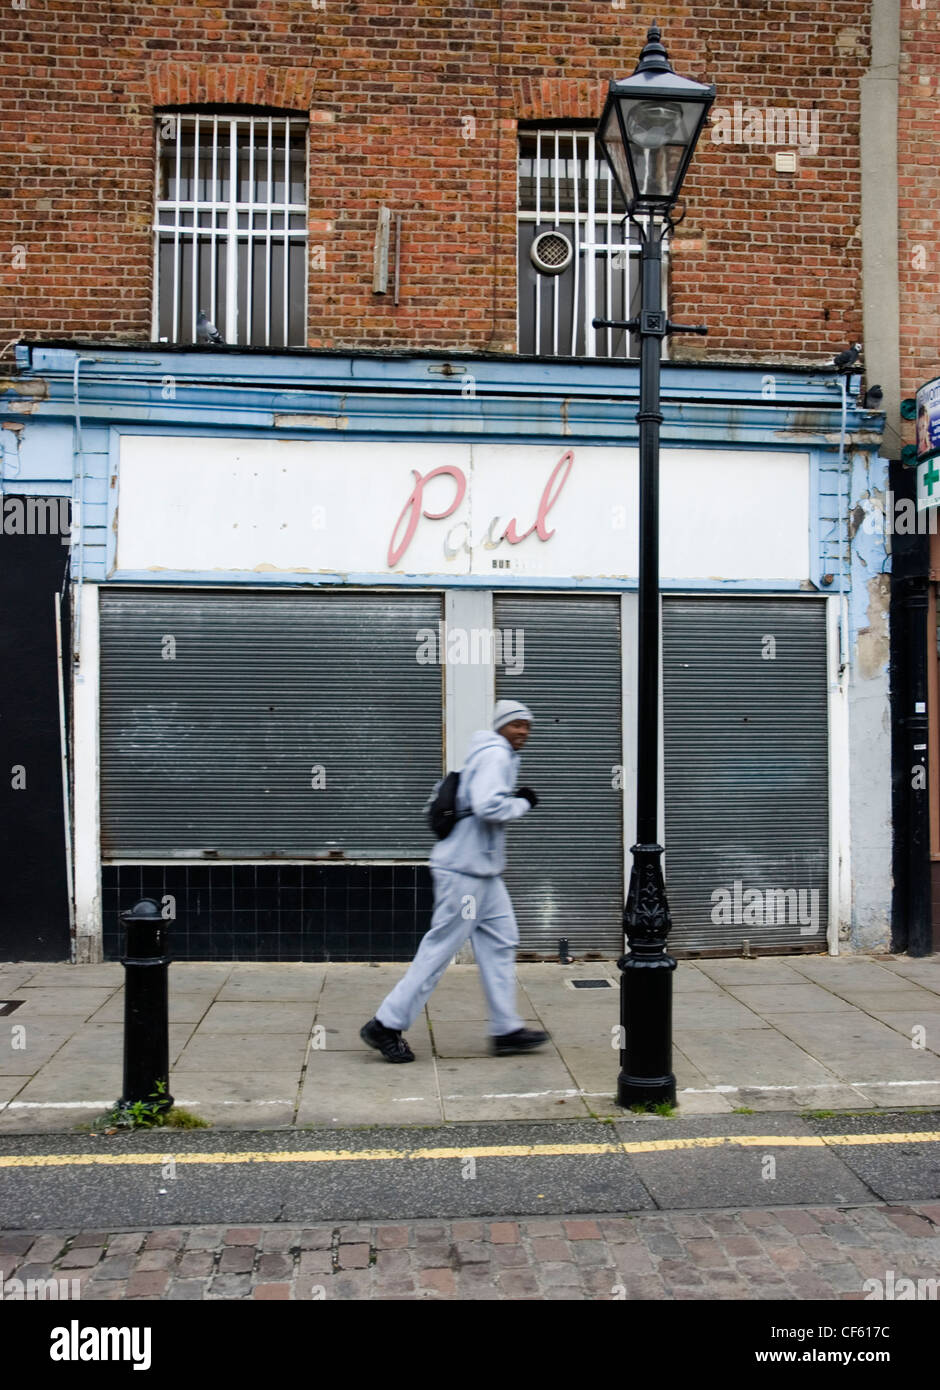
414	508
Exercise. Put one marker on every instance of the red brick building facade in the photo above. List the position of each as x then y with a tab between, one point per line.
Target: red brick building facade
416	105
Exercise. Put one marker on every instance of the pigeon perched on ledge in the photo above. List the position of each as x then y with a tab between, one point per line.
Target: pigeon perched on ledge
844	360
206	331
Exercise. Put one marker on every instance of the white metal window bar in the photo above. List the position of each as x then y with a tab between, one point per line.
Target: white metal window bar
564	184
230	228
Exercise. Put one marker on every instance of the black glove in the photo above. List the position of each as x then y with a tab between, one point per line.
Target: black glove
529	795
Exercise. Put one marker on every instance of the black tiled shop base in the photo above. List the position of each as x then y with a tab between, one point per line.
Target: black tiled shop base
276	911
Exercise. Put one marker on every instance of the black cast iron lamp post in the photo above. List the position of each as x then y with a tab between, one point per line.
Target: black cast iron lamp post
648	131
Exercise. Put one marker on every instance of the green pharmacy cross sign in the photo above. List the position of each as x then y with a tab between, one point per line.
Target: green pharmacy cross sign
928	484
925	412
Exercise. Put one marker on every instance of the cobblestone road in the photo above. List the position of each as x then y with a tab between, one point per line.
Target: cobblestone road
792	1253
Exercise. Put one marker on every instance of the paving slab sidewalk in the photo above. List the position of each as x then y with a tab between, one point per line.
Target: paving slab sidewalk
274	1045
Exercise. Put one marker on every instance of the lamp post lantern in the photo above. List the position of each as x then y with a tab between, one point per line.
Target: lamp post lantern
648	131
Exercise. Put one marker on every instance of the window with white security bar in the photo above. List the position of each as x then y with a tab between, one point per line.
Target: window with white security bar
578	256
230	230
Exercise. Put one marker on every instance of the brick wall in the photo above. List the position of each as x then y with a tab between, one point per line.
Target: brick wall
919	197
771	261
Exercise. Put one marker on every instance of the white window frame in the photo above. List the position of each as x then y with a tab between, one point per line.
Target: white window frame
597	238
168	218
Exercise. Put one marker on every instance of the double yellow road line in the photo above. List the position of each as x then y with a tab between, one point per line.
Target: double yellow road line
638	1146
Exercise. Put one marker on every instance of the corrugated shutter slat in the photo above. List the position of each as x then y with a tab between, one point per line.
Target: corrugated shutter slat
565	860
746	769
215	749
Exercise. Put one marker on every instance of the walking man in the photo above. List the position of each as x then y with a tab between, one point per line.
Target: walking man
470	897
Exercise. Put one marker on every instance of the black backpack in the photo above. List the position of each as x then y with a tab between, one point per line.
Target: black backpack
442	811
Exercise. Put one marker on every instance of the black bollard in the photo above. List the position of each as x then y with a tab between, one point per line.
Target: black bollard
146	1012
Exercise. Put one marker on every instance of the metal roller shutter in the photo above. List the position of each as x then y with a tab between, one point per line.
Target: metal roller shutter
565	860
746	773
219	748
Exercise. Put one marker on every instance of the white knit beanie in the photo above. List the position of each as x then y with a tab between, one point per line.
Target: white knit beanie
507	710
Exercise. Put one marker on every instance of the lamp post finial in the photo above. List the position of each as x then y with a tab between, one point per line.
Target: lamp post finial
654	57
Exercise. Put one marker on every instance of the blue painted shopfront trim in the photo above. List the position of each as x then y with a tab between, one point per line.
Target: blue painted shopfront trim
247	578
418	370
305	395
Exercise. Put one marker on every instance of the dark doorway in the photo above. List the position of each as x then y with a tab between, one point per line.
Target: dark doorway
34	913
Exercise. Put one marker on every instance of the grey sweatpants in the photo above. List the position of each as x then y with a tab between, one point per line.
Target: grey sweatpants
464	906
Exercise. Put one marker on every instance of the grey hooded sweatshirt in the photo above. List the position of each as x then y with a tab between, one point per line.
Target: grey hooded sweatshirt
477	843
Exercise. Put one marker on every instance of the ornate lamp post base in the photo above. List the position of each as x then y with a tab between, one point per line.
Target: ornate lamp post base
646	988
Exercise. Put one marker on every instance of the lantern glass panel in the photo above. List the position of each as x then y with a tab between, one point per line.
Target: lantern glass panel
661	134
615	151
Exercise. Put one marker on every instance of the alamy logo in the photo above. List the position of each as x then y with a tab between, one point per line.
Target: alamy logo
891	1289
36	516
477	646
30	1290
75	1343
766	125
899	517
737	906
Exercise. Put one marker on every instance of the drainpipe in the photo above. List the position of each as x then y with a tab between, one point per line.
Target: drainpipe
843	615
78	518
843	881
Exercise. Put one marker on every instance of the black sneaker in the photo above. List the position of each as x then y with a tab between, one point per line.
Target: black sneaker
387	1041
523	1040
